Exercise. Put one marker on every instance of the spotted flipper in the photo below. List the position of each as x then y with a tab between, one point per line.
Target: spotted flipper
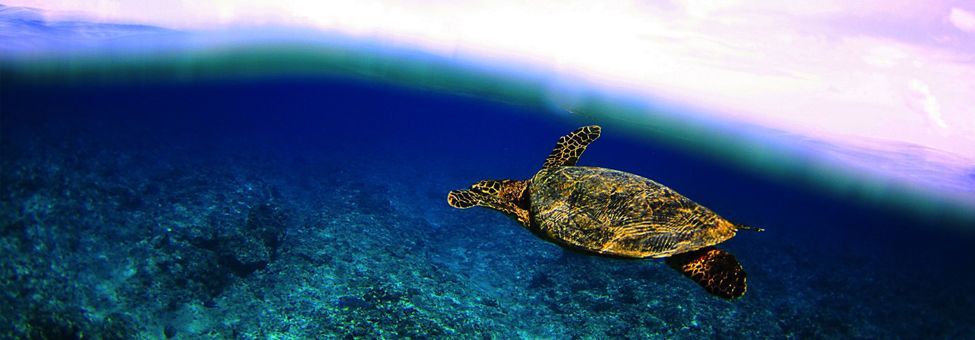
506	196
570	147
716	270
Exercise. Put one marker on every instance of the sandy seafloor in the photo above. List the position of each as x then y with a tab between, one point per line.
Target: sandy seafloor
315	208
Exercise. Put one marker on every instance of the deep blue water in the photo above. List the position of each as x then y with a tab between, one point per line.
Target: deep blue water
309	207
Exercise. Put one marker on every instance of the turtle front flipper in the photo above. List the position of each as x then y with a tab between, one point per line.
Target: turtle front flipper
714	269
571	146
507	196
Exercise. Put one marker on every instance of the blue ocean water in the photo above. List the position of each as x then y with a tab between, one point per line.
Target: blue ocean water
316	207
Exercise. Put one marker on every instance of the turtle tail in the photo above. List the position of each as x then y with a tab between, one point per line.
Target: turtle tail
749	228
714	269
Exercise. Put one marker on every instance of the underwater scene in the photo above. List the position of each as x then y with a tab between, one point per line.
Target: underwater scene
161	179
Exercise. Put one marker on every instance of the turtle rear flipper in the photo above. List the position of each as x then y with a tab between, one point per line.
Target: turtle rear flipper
716	270
570	147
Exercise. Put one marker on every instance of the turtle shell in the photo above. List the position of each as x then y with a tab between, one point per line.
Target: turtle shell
616	213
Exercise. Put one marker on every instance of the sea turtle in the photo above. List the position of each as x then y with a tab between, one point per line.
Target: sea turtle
614	213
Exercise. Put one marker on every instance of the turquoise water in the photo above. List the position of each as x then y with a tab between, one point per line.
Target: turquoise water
299	190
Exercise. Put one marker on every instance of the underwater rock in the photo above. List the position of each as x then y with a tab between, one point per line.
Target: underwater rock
373	199
191	272
540	281
169	331
627	295
250	248
53	326
73	324
383	295
256	244
117	326
601	305
347	302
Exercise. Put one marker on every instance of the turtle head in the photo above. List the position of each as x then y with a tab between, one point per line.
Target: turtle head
507	196
504	190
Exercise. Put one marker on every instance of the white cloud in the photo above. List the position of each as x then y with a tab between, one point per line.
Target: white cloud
962	19
884	56
928	103
704	8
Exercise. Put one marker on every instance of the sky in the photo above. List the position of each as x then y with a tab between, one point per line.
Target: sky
884	70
